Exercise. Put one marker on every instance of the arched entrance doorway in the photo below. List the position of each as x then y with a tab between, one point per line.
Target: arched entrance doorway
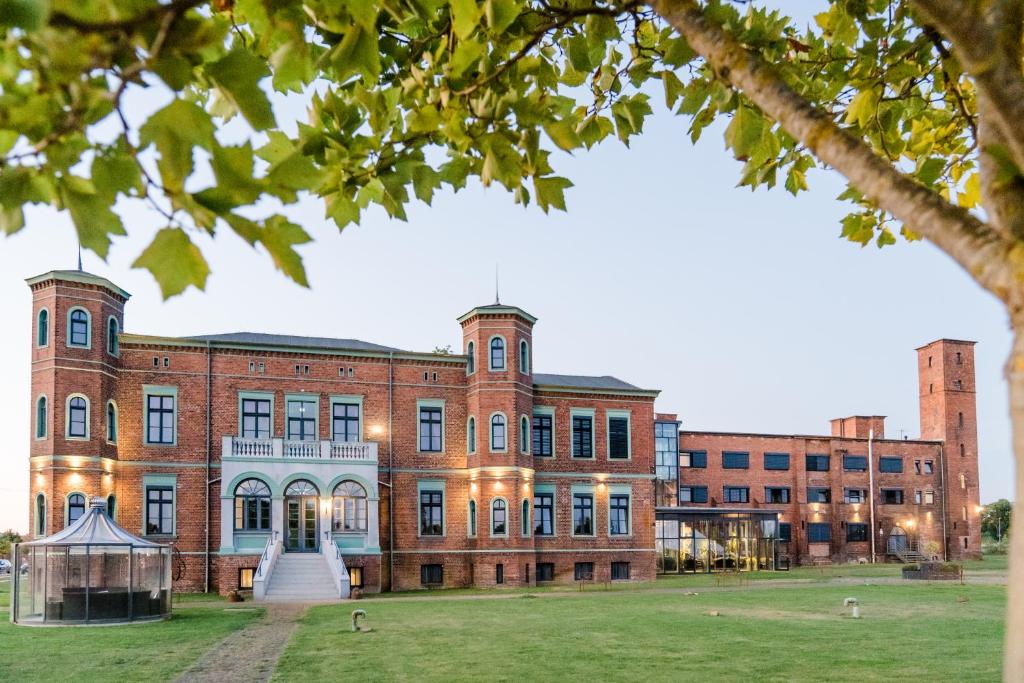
301	517
897	541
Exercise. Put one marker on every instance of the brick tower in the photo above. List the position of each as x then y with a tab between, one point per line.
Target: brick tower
949	414
76	318
499	342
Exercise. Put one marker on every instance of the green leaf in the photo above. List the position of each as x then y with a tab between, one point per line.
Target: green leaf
293	66
673	87
174	261
465	17
467	52
551	192
116	173
424	181
500	14
357	53
928	170
862	108
342	210
30	15
12	219
280	236
175	130
744	131
91	214
563	133
238	75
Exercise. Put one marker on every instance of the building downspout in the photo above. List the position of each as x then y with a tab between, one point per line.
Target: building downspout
871	492
209	398
391	477
942	480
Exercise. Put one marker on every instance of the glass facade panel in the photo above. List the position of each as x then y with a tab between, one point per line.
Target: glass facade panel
728	541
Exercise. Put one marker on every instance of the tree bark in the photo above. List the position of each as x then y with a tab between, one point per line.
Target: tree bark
1013	641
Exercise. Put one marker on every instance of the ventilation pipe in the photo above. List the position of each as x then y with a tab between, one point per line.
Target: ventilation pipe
871	491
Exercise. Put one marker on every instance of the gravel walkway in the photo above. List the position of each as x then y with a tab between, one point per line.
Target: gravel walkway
251	653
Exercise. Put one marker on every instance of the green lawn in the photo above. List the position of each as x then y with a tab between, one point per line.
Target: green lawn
145	651
916	631
5	593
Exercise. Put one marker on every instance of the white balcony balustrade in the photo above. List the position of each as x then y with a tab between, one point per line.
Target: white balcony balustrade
239	447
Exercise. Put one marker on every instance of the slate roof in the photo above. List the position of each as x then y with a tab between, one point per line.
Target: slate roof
583	381
261	339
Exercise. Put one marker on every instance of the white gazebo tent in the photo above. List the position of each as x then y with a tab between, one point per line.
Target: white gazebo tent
92	572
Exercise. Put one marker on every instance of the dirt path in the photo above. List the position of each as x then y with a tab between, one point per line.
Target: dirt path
249	654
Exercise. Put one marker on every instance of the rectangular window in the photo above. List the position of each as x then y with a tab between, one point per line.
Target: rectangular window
620	571
430	429
583	571
819	494
856	532
917	467
345	422
543	515
302	420
776	494
917	497
929	497
817	463
159	510
929	467
892	496
736	494
255	418
818	532
431	513
431	574
582	436
355	577
732	460
545	571
890	465
543	444
693	494
618	437
855	463
159	419
583	514
245	575
618	514
666	451
776	461
855	496
785	531
499	573
694	459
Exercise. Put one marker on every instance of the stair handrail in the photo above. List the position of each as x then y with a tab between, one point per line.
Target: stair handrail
339	573
268	560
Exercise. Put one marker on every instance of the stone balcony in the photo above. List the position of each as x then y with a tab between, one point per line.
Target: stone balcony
239	447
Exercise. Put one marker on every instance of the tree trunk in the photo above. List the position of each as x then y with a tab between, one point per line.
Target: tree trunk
1013	648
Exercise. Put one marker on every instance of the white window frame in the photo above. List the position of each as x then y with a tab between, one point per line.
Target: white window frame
471	428
431	403
67	505
525	435
585	489
433	486
608	415
346	398
116	353
162	480
106	417
620	490
592	414
159	390
46	417
490	432
490	517
49	327
470	357
552	490
67	418
547	411
39	529
524	367
472	517
504	353
88	329
300	397
255	396
526	517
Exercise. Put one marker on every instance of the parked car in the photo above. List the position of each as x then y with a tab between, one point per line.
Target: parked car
5	566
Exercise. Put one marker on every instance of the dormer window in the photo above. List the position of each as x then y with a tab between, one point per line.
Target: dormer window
78	328
471	358
524	357
497	357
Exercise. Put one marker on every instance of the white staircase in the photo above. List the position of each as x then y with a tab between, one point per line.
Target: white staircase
300	577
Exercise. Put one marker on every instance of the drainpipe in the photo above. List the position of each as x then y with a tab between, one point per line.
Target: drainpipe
871	491
391	477
942	481
209	397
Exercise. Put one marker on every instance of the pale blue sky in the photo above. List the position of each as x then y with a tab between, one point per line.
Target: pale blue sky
745	309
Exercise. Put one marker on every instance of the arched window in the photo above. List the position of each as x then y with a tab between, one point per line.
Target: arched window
76	507
252	505
78	328
471	435
471	358
301	487
497	432
41	417
349	507
112	330
111	505
472	518
524	357
111	422
43	328
497	361
40	514
499	517
525	519
524	435
78	418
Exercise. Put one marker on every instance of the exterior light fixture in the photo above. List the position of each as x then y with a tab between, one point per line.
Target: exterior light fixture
376	430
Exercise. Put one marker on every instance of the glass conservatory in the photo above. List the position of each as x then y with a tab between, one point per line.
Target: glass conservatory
92	572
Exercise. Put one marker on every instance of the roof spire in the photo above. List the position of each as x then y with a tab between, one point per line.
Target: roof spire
79	255
497	297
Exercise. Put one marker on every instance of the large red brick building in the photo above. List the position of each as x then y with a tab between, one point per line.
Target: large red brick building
400	469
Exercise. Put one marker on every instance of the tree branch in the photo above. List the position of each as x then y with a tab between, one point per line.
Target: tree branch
979	249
